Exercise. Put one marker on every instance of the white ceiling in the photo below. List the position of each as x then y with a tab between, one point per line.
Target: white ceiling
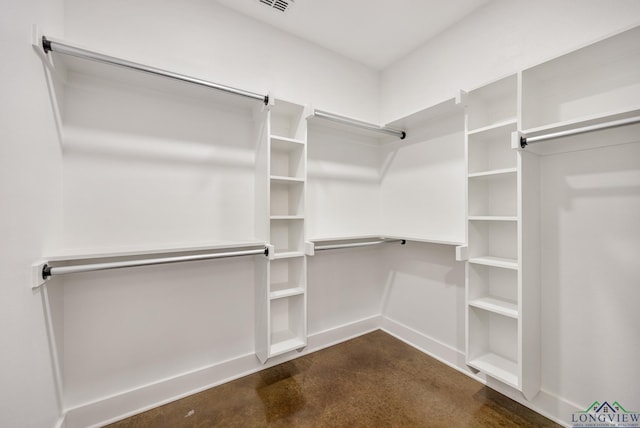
373	32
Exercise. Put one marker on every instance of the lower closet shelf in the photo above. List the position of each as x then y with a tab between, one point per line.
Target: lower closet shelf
498	306
497	367
285	341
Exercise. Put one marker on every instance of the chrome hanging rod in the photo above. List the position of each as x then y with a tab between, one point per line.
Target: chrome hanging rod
524	141
49	271
50	45
357	123
358	244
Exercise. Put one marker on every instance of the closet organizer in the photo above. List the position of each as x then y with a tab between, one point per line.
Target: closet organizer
305	202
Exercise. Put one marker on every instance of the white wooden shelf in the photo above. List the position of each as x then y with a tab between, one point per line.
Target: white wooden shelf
493	173
497	306
287	217
286	254
492	218
498	367
500	262
285	342
285	292
281	139
286	180
495	128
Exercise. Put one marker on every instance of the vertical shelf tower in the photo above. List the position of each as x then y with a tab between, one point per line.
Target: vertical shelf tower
502	285
281	301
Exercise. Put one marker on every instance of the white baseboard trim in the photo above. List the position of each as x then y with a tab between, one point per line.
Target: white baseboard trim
128	403
547	404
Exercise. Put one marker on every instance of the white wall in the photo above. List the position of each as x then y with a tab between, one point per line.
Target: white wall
147	166
590	215
499	39
30	194
203	39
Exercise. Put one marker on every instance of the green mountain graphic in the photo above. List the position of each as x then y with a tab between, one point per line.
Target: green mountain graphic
618	406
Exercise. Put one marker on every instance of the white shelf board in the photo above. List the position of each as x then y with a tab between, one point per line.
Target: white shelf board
495	128
90	254
286	292
498	306
287	217
284	179
498	367
286	254
492	218
425	116
500	262
281	139
286	341
493	173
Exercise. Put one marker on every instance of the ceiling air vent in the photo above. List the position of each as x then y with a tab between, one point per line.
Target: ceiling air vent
281	5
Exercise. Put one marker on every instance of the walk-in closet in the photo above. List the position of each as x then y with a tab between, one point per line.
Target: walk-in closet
347	213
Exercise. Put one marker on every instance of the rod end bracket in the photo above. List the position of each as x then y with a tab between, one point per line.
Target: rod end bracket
40	273
403	136
518	140
46	44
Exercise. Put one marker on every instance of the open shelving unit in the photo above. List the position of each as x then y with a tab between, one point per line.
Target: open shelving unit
281	305
498	329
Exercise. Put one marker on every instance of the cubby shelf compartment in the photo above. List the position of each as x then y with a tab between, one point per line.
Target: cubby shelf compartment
287	198
490	149
493	105
494	196
493	344
288	324
287	236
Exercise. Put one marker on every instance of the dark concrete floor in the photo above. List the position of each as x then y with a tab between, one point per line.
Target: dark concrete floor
374	380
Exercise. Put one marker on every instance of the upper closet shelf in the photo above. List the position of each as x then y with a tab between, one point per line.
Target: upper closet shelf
430	114
344	122
67	50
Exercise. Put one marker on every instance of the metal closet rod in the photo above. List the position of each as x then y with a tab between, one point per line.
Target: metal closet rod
50	45
49	271
524	141
358	244
348	121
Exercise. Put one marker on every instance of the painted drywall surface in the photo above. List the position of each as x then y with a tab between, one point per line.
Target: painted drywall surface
499	39
128	328
344	286
343	184
590	242
30	193
425	291
422	190
206	40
